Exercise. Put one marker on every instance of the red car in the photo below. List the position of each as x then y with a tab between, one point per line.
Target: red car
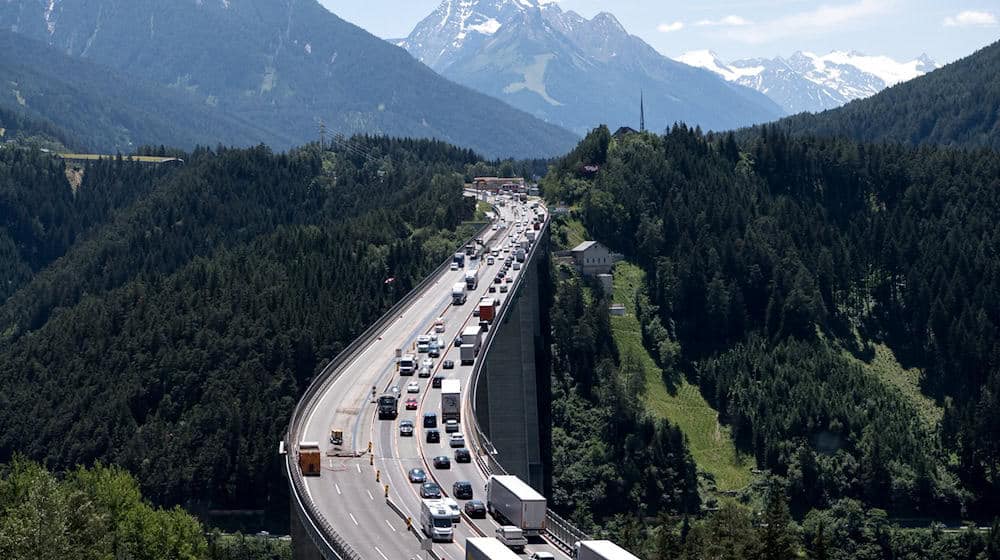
411	403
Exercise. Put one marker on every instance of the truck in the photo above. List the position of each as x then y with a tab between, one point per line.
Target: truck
471	340
388	406
531	235
459	259
407	364
487	548
451	400
487	309
472	278
458	293
600	550
310	460
435	520
511	501
470	249
519	255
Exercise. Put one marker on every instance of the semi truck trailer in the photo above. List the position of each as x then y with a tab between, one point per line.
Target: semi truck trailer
458	293
601	550
451	400
513	502
487	548
472	278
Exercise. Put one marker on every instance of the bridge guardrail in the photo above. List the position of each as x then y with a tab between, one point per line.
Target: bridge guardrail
562	533
329	543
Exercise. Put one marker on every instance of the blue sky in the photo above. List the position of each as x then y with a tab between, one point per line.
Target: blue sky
944	29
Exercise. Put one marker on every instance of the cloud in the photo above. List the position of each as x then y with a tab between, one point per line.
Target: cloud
970	18
728	21
670	27
824	19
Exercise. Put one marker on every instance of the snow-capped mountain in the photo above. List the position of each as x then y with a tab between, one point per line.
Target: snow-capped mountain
809	82
574	71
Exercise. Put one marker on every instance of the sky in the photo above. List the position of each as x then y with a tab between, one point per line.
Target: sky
903	29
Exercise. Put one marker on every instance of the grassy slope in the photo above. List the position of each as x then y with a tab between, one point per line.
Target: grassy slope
709	441
884	366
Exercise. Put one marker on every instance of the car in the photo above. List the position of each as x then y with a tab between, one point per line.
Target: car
542	555
462	490
430	491
498	279
436	382
430	420
432	436
489	261
493	290
456	440
423	343
434	352
406	427
439	326
424	372
510	279
475	509
453	508
475	312
462	455
411	404
442	462
451	426
504	289
427	363
394	390
517	266
412	387
417	476
448	364
454	266
458	339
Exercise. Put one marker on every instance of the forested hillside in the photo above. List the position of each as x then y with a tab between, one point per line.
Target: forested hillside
173	335
953	106
777	271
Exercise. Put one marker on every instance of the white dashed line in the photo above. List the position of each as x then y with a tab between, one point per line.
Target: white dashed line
352	518
390	525
337	486
370	497
380	553
359	467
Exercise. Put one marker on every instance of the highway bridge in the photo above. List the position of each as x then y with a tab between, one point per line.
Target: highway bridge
359	505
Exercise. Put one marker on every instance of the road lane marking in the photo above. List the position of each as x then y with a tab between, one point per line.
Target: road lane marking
370	497
390	526
359	467
380	553
337	486
352	518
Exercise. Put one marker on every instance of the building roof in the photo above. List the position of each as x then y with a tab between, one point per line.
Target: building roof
584	246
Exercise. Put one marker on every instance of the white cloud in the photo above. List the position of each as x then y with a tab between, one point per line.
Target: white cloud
824	19
971	18
670	27
728	21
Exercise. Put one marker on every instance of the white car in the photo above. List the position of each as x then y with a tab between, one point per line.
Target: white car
456	440
427	363
412	387
542	555
454	265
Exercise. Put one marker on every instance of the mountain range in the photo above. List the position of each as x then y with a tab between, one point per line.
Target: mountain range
573	71
807	82
278	68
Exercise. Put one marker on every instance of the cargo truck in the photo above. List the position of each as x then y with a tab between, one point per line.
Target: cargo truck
601	550
451	400
388	406
407	364
459	259
310	460
511	501
435	520
519	255
487	548
471	340
487	309
472	278
458	293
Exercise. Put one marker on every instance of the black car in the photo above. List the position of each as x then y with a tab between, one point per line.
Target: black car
462	455
431	491
475	313
458	339
462	490
493	290
498	279
434	352
433	436
442	462
436	382
475	508
430	420
448	364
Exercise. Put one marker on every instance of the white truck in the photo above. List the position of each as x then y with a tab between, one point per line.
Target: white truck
601	550
472	278
487	548
451	400
458	293
436	520
471	341
513	502
531	234
407	364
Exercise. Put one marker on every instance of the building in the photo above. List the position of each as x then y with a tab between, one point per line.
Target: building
500	184
593	258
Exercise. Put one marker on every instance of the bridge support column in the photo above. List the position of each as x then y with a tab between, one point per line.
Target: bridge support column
302	544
